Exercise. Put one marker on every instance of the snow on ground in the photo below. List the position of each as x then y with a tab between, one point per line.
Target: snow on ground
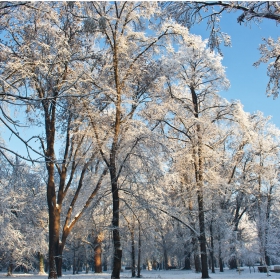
156	274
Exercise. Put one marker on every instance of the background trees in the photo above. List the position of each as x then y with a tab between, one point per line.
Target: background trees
24	219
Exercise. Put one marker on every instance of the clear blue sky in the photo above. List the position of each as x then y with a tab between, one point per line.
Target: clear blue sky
248	84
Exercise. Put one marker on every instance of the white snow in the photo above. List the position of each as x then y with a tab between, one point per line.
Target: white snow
157	274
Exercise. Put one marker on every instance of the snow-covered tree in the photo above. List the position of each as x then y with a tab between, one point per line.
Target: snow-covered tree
248	12
43	56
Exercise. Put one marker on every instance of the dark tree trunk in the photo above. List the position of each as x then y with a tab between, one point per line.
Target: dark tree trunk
165	258
194	243
198	156
53	241
46	264
212	249
233	263
105	260
267	259
54	213
221	265
117	258
74	262
187	258
58	261
202	238
187	261
267	222
132	253
197	265
78	265
139	254
86	261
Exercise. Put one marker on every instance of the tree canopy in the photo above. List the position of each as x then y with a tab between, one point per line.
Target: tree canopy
139	160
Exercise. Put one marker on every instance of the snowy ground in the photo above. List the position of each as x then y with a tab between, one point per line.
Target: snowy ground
157	274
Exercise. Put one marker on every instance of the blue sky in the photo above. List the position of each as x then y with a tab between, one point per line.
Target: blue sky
248	84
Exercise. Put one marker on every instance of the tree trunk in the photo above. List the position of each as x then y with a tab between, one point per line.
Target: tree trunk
117	258
212	249
58	260
54	213
198	156
233	260
10	270
78	265
221	264
267	222
267	259
53	241
74	262
233	263
41	263
202	238
165	258
105	259
139	254
86	260
197	263
132	253
187	261
97	257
